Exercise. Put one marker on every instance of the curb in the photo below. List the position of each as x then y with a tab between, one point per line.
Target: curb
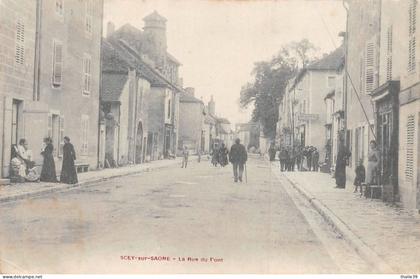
65	187
355	241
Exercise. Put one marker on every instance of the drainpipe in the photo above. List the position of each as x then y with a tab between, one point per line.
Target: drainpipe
346	45
98	151
37	58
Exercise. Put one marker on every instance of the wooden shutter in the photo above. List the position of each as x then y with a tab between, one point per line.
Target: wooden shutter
49	128
61	137
389	54
370	66
412	18
409	161
20	43
57	64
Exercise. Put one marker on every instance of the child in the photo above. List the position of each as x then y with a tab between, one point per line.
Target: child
360	176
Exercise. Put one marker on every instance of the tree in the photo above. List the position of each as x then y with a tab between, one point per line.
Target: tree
270	81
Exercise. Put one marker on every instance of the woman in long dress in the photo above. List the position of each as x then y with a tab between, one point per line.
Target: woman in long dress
68	171
373	163
340	166
48	173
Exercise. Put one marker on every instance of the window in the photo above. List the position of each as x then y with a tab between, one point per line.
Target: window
409	161
89	16
59	10
16	115
331	82
412	17
85	134
20	43
389	54
370	67
57	64
87	68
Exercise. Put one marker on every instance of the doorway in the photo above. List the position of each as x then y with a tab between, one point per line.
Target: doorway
139	144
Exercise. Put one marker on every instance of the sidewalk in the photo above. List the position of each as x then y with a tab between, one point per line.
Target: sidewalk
387	236
25	190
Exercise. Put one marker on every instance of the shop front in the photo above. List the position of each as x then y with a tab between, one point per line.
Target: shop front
386	103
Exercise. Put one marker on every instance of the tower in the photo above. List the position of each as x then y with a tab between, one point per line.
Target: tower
212	106
155	33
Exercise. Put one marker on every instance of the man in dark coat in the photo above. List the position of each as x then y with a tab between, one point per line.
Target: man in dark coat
68	171
238	157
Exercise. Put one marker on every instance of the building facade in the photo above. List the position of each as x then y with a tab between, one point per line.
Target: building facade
65	60
192	114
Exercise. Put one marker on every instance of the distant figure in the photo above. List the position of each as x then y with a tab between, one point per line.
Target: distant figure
340	166
185	154
315	159
272	152
223	155
215	156
283	159
291	160
48	173
360	176
238	157
68	170
199	156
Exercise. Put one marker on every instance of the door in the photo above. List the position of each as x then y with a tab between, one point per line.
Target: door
139	144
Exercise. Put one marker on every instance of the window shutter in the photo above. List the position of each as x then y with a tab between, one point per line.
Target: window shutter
409	163
412	18
61	136
389	54
20	43
57	64
370	67
49	133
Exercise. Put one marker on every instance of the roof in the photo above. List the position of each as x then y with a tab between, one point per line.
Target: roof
112	60
112	86
155	16
186	98
208	119
331	62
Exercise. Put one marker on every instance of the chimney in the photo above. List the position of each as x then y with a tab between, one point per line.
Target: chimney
110	29
190	91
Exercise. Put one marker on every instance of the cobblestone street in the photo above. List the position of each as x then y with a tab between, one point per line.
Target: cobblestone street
254	227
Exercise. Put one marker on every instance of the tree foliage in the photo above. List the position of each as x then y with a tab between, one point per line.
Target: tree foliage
270	80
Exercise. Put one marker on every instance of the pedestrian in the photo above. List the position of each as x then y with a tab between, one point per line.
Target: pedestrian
238	157
272	152
215	155
283	159
315	159
48	173
340	166
360	176
223	155
291	163
68	171
309	158
299	158
373	164
199	155
185	154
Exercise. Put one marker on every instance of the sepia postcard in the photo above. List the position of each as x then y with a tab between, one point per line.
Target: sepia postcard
265	137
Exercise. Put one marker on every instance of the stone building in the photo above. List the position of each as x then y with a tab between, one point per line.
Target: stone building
60	65
363	68
192	115
163	109
306	97
18	23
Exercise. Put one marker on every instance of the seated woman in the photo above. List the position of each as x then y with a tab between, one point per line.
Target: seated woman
25	156
17	167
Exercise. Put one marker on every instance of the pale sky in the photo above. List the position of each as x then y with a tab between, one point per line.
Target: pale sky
218	41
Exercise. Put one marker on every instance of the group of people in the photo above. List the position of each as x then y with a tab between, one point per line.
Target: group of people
219	155
304	158
23	167
369	176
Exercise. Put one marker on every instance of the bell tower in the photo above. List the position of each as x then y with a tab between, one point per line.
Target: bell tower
155	33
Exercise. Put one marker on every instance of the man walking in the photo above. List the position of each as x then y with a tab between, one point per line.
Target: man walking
238	157
185	154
